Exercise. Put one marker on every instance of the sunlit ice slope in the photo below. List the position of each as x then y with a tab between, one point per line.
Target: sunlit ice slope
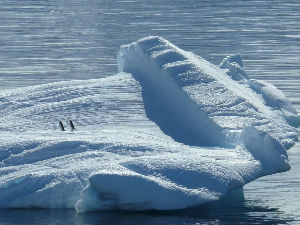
197	94
169	131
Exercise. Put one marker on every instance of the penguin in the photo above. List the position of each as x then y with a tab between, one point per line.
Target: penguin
72	126
61	126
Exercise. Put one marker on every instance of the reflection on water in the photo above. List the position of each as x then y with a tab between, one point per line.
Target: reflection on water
241	213
280	190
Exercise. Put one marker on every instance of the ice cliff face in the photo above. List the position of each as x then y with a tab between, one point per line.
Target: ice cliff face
169	131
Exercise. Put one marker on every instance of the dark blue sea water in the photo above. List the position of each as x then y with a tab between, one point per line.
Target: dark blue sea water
43	41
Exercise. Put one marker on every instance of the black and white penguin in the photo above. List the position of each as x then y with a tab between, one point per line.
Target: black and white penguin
61	126
72	126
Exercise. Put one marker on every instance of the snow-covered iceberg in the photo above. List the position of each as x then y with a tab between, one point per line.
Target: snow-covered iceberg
169	131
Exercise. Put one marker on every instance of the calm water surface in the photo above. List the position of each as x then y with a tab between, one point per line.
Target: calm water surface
54	40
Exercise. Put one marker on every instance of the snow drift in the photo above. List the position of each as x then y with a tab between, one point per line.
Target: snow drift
169	131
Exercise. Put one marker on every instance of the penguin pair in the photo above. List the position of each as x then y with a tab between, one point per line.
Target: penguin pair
70	123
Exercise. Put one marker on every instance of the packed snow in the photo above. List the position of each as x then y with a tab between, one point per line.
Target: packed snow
169	131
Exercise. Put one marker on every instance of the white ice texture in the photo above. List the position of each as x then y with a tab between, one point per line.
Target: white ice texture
169	131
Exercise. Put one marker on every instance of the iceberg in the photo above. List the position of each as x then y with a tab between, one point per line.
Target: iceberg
169	131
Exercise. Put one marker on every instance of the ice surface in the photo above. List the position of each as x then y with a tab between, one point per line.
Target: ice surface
223	105
169	131
234	67
277	100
